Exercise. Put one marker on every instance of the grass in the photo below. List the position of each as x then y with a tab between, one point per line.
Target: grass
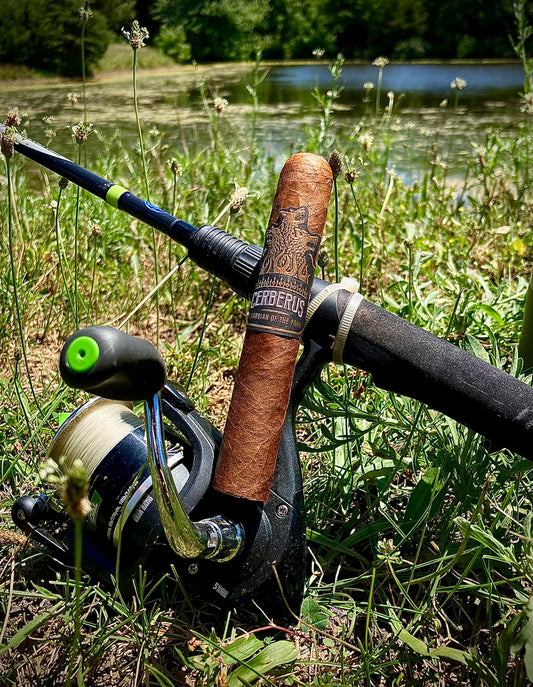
420	539
117	57
16	72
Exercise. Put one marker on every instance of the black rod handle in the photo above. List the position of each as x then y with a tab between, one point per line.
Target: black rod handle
407	360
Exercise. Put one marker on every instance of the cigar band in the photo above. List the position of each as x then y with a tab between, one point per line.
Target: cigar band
281	294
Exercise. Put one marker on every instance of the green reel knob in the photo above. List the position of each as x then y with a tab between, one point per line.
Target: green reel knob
112	364
83	354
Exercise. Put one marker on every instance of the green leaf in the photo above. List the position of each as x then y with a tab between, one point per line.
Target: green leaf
491	312
524	641
521	467
468	530
472	345
452	426
444	652
241	649
270	657
413	643
422	497
519	246
378	472
501	654
450	654
313	614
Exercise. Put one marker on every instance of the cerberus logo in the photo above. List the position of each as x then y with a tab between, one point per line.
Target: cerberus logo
290	246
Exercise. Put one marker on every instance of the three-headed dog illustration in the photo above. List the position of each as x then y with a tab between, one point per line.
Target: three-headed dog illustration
290	246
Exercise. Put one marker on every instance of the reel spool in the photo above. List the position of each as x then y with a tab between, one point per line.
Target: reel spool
110	440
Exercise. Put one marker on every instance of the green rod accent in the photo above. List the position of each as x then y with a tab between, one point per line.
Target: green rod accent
114	193
83	354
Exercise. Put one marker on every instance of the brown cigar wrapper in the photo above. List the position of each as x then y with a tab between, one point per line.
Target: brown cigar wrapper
250	438
247	458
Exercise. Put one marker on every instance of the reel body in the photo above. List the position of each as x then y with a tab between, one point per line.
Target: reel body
124	530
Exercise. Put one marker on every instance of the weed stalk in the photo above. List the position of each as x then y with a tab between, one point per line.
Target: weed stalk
136	38
13	270
380	63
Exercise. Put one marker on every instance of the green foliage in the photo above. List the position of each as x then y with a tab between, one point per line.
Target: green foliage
115	12
118	57
409	49
46	35
402	29
300	26
389	22
455	28
420	536
172	41
215	29
229	30
524	34
28	630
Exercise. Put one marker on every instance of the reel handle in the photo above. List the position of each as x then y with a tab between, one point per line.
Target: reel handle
260	399
110	363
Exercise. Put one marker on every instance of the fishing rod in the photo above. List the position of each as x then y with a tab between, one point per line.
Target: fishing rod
227	257
401	357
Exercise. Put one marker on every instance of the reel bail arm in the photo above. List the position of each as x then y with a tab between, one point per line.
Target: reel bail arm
121	367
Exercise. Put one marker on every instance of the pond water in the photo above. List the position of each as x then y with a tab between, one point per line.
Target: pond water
431	81
171	101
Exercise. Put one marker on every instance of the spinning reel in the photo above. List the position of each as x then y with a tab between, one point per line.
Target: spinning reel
150	483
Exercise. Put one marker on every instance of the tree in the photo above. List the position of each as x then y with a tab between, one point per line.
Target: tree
216	29
47	35
478	28
297	27
368	28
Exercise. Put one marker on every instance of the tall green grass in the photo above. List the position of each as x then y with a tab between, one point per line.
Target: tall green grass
420	539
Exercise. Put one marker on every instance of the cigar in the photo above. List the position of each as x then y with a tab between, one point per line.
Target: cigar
247	457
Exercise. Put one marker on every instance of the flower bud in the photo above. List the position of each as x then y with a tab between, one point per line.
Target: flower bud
13	118
323	259
237	199
335	162
7	142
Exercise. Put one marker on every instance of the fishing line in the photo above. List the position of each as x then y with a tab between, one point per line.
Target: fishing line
92	432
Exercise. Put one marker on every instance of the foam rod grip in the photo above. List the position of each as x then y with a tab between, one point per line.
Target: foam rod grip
247	458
